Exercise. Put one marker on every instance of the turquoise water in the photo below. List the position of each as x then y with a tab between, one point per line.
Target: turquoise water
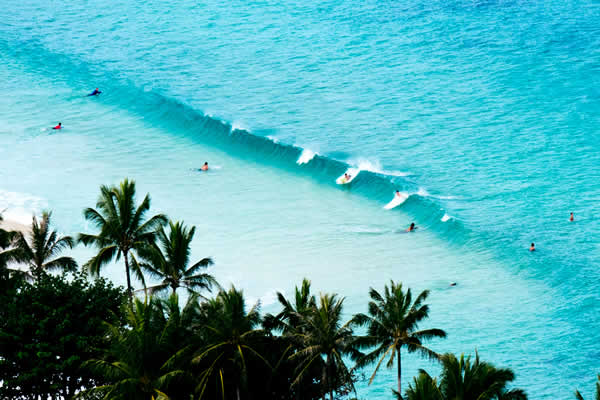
486	113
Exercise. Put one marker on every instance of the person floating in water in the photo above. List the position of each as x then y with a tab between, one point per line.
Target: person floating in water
571	218
59	126
96	92
205	167
532	247
411	228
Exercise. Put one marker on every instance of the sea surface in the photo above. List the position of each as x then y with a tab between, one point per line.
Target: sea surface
486	114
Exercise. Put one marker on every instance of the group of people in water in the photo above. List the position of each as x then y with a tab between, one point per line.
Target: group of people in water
95	92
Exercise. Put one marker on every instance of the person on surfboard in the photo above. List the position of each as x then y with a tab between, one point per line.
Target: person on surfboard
205	167
411	228
59	126
346	177
398	193
95	92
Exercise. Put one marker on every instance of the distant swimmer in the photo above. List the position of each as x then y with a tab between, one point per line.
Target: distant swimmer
532	247
59	126
571	218
411	228
96	92
453	284
205	167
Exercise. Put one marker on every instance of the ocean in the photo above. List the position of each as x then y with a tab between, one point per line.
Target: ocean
484	113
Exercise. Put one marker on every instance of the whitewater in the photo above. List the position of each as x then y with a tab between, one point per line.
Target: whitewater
484	115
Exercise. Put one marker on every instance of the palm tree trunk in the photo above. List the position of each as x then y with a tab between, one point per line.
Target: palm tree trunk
399	374
129	291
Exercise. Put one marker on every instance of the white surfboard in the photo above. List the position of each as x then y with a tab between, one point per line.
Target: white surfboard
397	200
353	172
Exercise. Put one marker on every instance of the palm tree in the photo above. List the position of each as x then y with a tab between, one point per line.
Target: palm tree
392	324
123	228
230	333
287	320
41	245
8	253
465	380
424	387
580	397
138	365
171	262
323	337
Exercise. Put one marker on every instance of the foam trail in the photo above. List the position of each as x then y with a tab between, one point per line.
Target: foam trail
306	156
397	200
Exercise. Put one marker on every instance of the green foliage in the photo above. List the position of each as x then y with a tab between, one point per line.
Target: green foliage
138	364
40	247
392	323
123	228
47	329
464	379
168	260
230	335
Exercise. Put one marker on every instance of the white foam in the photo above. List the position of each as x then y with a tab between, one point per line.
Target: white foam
446	217
397	200
273	139
20	207
238	126
306	156
353	172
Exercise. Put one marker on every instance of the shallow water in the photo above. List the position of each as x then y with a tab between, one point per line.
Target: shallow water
484	112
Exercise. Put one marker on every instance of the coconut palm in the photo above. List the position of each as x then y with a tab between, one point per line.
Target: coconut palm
392	324
424	387
580	397
123	228
8	252
137	365
287	320
464	379
168	260
230	333
323	337
39	248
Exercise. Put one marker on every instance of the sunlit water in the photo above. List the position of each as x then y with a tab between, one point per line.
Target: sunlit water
485	113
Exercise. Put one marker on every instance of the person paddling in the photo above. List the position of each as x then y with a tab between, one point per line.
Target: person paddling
532	247
95	92
411	228
59	126
205	167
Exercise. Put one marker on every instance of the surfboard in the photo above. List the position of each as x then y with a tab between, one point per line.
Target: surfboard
396	201
353	172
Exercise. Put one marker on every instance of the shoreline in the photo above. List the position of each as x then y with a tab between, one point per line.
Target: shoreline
12	225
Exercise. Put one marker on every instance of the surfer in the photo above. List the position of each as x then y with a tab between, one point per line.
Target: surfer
59	126
346	177
571	218
95	92
411	228
532	247
205	167
398	193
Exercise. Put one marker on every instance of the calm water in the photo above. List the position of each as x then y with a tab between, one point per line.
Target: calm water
484	112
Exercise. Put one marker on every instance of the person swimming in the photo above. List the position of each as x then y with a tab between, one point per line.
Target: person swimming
59	126
571	218
95	92
532	247
411	228
205	167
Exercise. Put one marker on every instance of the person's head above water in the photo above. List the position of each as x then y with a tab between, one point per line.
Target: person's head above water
532	247
571	218
412	225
